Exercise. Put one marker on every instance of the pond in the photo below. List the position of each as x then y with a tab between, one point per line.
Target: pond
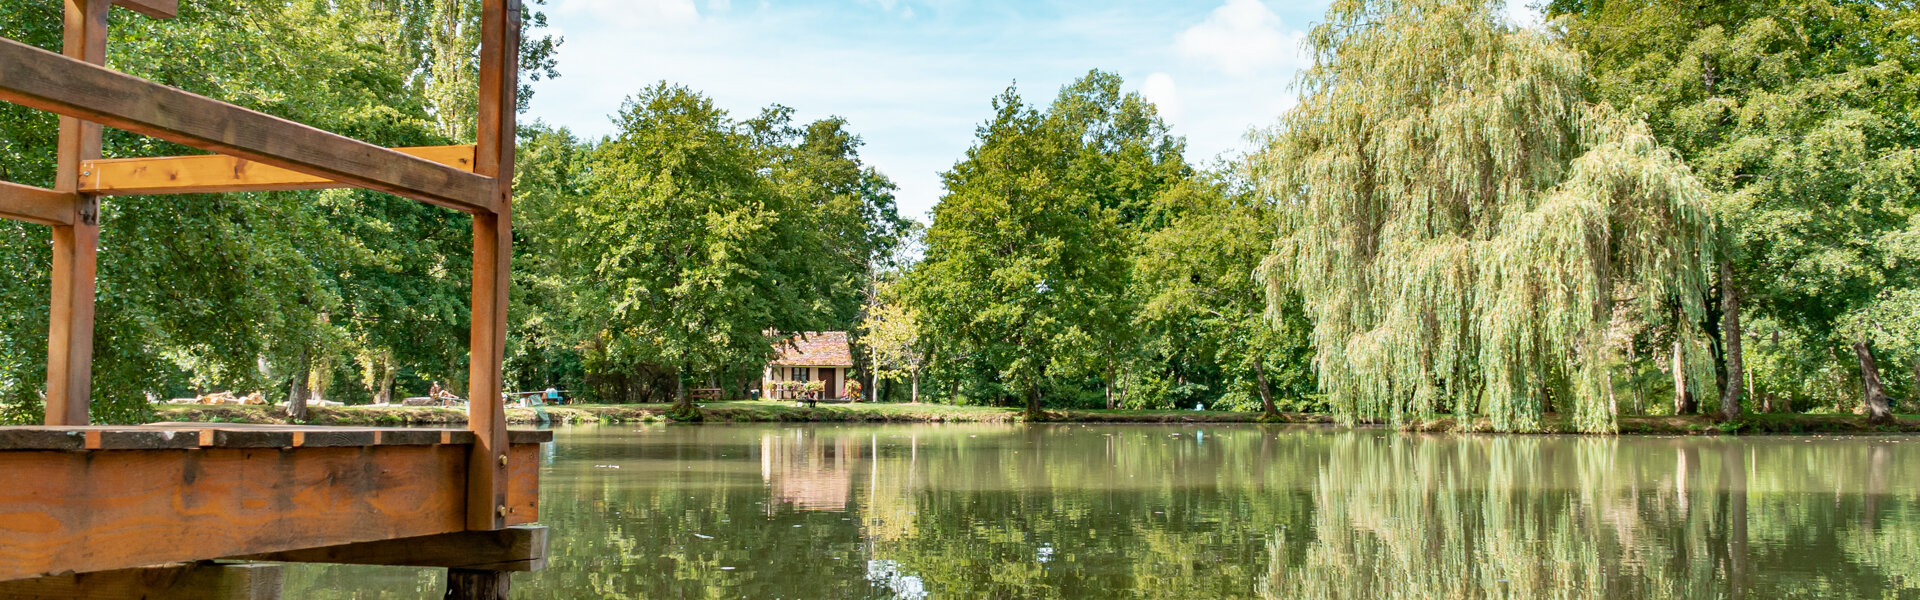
1097	511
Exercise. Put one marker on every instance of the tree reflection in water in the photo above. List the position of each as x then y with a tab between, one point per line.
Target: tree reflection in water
1077	511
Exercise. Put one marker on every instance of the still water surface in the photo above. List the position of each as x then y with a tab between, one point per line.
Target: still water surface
1092	511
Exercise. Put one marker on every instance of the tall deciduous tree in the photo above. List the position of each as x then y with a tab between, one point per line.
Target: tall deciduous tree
1199	277
1466	229
1019	265
1801	113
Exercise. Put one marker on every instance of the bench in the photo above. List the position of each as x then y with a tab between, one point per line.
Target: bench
705	394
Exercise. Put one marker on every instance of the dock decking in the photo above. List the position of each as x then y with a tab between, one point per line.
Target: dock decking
103	498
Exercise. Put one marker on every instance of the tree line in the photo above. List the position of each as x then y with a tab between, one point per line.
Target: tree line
1638	207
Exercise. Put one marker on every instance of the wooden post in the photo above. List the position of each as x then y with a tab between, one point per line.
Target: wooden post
469	584
70	331
492	252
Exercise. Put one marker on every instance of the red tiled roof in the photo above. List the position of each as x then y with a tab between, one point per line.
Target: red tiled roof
815	349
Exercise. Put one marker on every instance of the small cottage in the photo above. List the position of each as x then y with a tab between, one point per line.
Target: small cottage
822	356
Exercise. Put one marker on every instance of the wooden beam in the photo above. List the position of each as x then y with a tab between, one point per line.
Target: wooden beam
37	205
158	9
75	244
470	584
492	252
83	511
39	79
189	581
522	548
216	173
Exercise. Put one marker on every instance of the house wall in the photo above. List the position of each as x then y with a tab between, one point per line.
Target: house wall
834	377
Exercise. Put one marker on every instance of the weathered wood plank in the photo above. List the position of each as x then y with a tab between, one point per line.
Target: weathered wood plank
522	548
162	436
66	512
492	252
469	584
37	205
190	581
42	438
158	9
76	243
216	173
40	79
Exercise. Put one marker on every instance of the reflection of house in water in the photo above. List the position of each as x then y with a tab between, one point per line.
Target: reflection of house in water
807	472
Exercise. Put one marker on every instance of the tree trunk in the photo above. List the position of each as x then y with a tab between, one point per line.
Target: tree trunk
1683	403
1879	406
386	385
681	402
1109	385
1730	331
297	394
1266	395
1033	403
916	386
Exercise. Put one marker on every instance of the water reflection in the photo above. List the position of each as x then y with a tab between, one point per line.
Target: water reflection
1074	511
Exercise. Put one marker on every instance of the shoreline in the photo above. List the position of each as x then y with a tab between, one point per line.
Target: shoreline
790	412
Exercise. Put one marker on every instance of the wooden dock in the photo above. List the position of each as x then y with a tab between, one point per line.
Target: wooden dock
137	512
106	499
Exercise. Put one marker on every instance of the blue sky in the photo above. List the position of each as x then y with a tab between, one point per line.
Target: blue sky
915	77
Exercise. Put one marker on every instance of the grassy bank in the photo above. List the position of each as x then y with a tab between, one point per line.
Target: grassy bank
722	412
779	411
1700	425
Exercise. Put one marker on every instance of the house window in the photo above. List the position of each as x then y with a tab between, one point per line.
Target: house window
801	374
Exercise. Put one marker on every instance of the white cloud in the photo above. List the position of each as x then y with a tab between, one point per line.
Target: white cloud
1242	38
1159	90
634	13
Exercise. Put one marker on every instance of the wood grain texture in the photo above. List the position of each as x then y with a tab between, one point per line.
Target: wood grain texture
471	584
521	548
64	511
189	581
215	173
76	243
161	436
46	81
37	205
158	9
492	257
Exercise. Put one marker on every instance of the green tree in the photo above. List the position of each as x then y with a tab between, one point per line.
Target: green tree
1801	114
248	291
1199	278
1467	231
1019	265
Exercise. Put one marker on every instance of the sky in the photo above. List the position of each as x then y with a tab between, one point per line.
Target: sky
914	78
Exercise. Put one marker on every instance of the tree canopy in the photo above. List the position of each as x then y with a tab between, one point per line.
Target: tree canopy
1468	232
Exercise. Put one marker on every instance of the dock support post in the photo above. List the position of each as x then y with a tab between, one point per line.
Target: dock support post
470	584
492	255
75	246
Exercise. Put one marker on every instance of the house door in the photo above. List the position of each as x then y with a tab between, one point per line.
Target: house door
833	382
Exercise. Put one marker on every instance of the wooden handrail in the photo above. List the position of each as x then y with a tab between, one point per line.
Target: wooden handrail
39	79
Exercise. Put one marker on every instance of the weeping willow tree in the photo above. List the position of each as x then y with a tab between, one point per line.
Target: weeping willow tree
1469	233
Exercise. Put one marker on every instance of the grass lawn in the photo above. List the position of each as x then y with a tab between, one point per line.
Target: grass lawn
759	411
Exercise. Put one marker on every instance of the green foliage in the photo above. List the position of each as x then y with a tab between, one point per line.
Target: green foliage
1204	313
1805	116
701	236
207	293
1467	232
1025	266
